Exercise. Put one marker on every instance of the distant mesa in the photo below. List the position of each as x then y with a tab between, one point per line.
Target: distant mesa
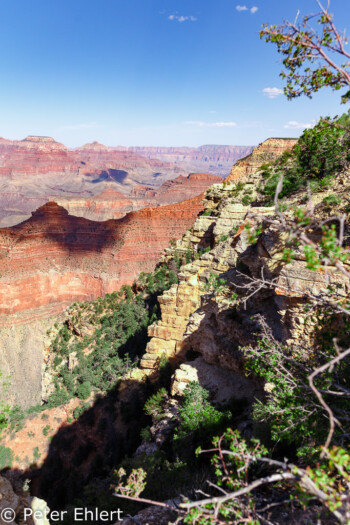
50	209
109	195
94	146
41	143
38	138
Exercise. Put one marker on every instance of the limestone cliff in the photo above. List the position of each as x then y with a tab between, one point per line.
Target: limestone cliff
199	315
267	151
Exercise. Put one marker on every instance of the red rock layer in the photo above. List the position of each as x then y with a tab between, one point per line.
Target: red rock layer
32	156
174	190
111	204
54	259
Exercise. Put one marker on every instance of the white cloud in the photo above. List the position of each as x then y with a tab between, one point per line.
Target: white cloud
272	92
182	18
293	124
211	124
253	9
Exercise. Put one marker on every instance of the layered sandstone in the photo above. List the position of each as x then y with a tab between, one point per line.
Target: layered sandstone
54	259
199	315
112	204
214	158
38	169
267	151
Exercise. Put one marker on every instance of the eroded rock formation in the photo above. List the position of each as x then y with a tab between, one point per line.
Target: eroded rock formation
54	259
213	158
267	151
38	169
198	316
111	204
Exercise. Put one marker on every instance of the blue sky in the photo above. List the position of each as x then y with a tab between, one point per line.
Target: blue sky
150	72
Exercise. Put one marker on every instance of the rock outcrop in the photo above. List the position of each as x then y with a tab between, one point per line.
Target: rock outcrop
202	314
78	259
13	502
267	151
112	204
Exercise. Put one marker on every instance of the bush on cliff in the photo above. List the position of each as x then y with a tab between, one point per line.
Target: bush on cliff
320	153
197	416
118	325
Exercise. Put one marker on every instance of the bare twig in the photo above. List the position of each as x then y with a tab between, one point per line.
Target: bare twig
233	495
332	420
145	500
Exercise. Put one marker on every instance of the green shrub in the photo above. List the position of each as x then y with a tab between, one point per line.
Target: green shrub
46	430
154	406
331	200
197	415
79	410
223	238
319	154
246	200
145	434
84	390
6	457
322	150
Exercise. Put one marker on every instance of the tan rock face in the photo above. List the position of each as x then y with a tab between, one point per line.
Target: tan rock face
199	317
22	351
13	503
223	385
267	151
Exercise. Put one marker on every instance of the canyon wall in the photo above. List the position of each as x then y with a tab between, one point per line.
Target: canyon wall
199	316
213	158
267	151
39	169
111	204
54	259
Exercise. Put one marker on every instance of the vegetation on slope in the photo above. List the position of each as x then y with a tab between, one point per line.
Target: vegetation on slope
116	327
320	153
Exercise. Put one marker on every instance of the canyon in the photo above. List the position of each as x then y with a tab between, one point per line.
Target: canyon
78	259
111	204
212	158
39	169
54	259
203	323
